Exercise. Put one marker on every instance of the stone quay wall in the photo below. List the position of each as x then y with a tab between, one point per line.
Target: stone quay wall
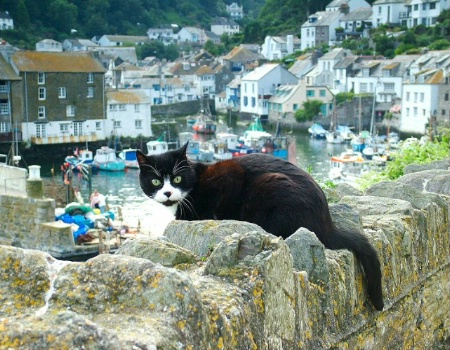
231	285
12	179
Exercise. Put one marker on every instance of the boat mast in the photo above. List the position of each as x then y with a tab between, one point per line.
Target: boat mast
359	116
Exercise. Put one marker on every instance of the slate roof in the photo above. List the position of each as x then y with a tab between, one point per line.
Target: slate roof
127	96
360	14
75	62
6	71
324	18
260	72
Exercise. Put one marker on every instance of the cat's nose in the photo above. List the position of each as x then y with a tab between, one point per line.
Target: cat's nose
168	194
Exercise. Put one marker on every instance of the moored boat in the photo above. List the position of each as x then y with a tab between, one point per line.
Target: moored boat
107	159
317	131
128	155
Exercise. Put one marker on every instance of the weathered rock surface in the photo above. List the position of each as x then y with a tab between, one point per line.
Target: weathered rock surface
231	285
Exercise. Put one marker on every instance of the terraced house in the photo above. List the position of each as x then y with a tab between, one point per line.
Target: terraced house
62	97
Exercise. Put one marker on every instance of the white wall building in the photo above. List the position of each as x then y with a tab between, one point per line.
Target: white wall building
277	47
128	113
6	21
258	86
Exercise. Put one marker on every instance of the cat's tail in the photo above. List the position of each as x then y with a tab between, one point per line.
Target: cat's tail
367	255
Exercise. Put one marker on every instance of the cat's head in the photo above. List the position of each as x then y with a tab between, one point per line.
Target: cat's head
168	177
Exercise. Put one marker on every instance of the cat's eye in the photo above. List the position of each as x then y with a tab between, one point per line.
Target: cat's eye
177	179
156	182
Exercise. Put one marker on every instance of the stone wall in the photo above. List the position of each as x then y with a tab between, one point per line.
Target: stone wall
231	285
12	179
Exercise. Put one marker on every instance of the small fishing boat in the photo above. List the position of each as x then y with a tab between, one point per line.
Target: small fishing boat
78	160
156	147
107	159
129	156
317	131
204	123
348	166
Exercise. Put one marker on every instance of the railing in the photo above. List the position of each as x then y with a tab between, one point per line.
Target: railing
58	138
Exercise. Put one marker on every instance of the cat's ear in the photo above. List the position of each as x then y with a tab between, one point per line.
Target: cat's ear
182	149
141	157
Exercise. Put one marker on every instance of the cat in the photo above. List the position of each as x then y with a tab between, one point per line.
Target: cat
258	188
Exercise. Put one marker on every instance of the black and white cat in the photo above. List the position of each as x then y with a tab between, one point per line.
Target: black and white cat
257	188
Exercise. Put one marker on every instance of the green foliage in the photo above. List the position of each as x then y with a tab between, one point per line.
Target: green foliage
311	108
413	153
441	44
157	49
343	96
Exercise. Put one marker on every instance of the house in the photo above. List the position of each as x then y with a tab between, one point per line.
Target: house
355	24
346	5
392	12
48	45
324	74
424	12
121	40
241	60
117	54
320	29
6	21
128	113
235	11
222	25
258	86
164	34
303	64
62	96
204	80
421	97
10	95
74	45
222	76
210	36
192	35
287	99
233	94
278	47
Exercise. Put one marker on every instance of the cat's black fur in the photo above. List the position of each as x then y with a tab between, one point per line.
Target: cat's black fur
257	188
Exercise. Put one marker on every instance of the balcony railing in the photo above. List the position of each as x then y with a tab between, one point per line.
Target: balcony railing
59	138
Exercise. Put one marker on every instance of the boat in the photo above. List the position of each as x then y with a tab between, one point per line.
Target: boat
197	151
334	137
130	158
348	166
317	131
80	159
204	123
156	147
107	160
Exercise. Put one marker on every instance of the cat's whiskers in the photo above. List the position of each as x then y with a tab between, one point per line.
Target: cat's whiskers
152	168
179	167
186	203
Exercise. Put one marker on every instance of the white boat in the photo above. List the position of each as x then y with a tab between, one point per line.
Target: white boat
130	158
317	131
348	166
334	137
107	159
157	147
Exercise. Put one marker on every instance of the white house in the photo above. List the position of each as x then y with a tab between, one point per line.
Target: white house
204	80
320	29
49	45
235	11
128	113
192	34
222	25
166	34
121	40
6	21
74	45
389	12
424	12
350	5
277	47
356	24
258	86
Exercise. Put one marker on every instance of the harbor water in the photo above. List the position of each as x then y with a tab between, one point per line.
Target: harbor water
127	201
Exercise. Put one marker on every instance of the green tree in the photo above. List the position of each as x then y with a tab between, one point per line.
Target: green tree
311	109
64	15
23	18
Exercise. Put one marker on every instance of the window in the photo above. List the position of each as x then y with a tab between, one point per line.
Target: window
62	93
4	87
416	7
64	128
90	92
113	107
432	5
187	88
424	6
407	96
415	97
138	124
136	107
41	93
253	102
446	97
98	125
41	78
77	128
407	112
389	86
415	111
363	87
422	97
379	10
309	93
4	107
117	124
122	107
322	93
245	100
4	127
41	112
90	78
295	106
41	130
70	111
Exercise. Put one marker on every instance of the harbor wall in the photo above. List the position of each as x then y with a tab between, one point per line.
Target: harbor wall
12	179
231	285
